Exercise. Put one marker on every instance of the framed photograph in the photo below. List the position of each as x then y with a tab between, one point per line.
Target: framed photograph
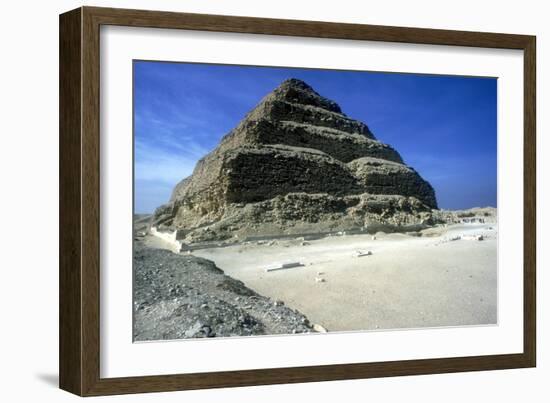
249	201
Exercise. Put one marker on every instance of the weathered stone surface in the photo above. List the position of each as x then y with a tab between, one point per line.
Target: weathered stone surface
339	144
283	169
305	213
298	92
296	164
380	176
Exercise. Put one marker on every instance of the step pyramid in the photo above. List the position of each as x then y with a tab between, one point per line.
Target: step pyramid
296	164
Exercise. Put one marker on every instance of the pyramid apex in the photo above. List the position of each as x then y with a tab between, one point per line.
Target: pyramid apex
296	82
298	91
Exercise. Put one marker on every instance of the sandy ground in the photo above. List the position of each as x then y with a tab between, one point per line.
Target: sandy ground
407	282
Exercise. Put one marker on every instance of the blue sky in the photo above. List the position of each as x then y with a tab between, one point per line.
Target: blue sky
445	127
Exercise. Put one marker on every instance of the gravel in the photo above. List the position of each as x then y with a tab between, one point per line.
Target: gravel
184	296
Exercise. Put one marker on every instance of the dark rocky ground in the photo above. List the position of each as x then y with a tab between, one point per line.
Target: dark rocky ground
183	296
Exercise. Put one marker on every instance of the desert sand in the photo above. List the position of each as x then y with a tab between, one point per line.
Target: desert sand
444	277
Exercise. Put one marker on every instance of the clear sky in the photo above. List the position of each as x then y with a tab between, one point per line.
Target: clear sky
445	127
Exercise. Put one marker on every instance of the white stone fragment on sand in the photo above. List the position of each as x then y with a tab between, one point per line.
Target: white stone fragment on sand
319	280
360	253
319	329
282	266
472	237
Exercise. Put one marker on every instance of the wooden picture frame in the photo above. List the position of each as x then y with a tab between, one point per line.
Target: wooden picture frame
79	348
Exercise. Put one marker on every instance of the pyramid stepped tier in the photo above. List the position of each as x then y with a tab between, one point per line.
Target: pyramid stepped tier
301	214
296	164
339	144
380	176
277	110
297	170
